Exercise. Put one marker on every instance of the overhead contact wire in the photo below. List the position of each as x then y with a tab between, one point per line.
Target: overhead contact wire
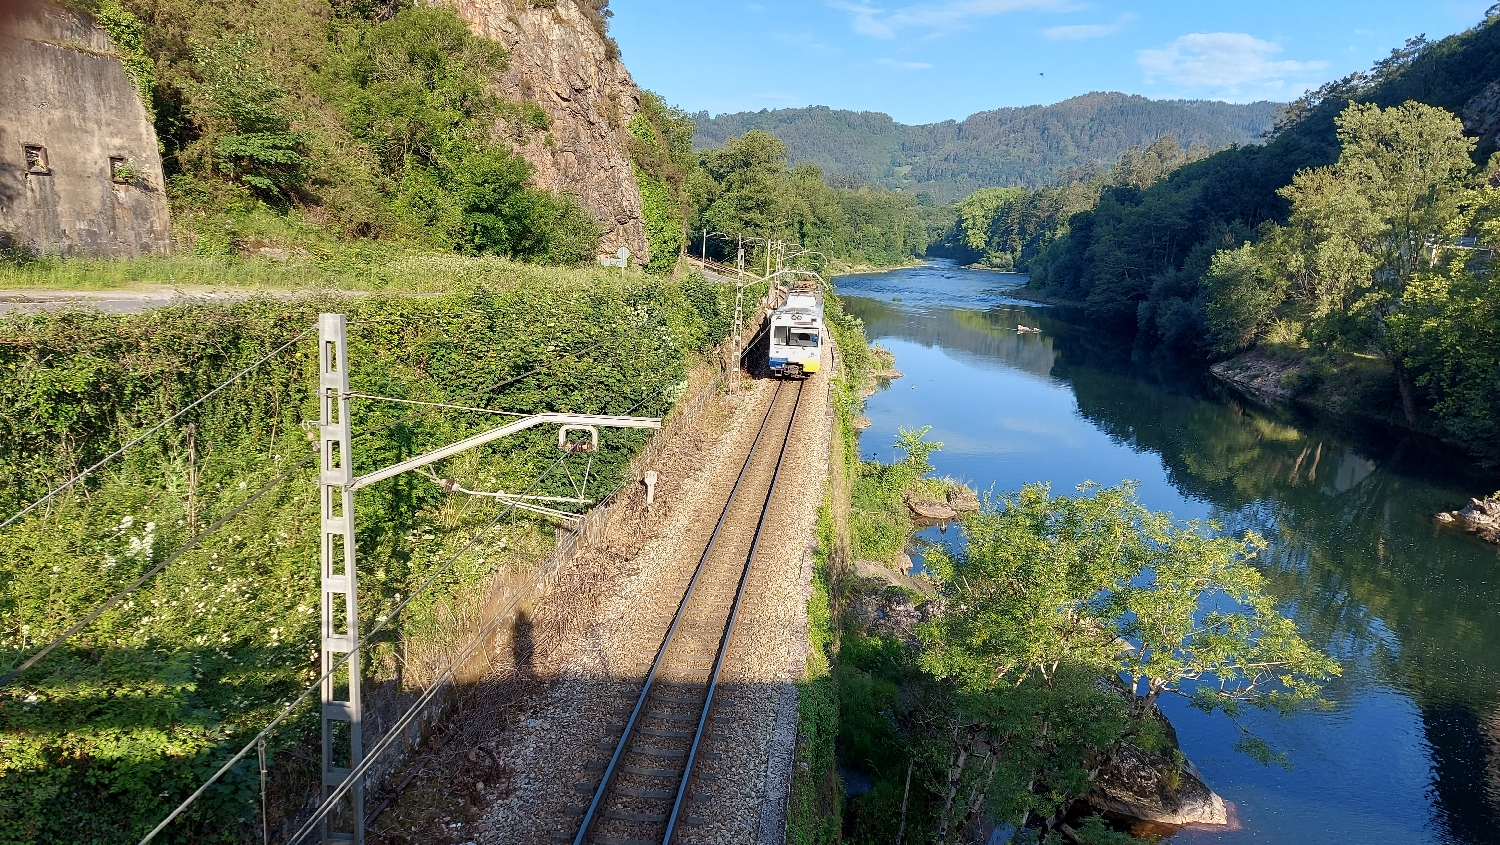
339	663
191	544
158	427
398	728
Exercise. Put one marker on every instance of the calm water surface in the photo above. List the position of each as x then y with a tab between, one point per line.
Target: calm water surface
1411	753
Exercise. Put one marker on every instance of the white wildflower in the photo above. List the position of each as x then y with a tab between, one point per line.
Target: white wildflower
126	523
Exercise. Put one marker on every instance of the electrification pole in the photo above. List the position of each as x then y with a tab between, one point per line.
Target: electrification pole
342	712
343	740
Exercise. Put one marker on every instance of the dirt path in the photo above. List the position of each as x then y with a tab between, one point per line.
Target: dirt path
544	725
123	301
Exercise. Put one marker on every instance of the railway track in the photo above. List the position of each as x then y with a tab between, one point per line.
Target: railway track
650	788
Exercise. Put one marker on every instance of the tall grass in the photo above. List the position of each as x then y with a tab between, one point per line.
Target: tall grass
373	270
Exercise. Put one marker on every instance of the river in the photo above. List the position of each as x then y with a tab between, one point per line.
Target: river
1410	753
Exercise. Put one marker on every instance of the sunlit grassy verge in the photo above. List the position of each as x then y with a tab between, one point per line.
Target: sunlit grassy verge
372	269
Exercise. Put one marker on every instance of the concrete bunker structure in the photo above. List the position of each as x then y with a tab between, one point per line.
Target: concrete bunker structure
80	171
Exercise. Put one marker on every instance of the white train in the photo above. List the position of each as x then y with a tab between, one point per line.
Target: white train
798	335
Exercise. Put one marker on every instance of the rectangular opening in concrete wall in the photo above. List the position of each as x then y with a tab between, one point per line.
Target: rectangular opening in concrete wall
120	171
36	159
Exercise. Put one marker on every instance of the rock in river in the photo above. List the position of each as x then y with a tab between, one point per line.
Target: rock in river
1481	517
1161	788
963	500
925	508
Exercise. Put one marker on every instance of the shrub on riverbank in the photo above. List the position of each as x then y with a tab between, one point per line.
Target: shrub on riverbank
987	693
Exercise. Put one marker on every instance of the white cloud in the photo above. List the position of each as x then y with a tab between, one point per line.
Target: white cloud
877	22
900	65
804	40
1233	65
1083	32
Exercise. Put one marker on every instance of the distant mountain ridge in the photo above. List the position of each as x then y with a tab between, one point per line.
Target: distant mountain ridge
1028	146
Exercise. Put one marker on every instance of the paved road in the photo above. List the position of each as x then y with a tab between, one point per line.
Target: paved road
131	301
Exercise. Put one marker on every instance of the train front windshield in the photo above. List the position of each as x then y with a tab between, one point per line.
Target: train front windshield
787	336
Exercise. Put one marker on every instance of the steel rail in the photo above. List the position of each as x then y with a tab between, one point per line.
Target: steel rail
734	614
605	780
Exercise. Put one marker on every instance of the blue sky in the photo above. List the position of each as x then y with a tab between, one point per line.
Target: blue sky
931	60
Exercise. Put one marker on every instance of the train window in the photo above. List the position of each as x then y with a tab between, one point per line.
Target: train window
787	336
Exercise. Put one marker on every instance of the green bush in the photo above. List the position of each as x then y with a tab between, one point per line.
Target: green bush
247	128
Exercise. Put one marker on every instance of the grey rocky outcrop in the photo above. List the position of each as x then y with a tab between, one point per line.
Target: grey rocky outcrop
1160	788
1482	114
930	509
1481	517
888	610
561	58
963	500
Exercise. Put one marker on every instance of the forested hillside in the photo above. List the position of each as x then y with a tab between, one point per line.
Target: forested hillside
1028	146
1355	251
1007	228
1138	259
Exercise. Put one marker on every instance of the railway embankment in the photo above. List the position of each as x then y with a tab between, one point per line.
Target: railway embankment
521	762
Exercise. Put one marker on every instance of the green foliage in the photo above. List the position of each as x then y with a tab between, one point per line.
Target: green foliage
415	88
108	733
1371	259
1000	704
351	123
1243	293
1093	831
247	135
499	214
126	31
1138	258
1449	323
746	188
813	810
664	225
661	148
1045	581
1008	228
917	448
1033	146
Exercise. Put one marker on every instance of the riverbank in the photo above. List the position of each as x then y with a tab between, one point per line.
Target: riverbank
865	713
1352	551
1359	387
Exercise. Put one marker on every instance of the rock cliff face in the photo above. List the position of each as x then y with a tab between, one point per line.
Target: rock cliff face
1482	114
563	61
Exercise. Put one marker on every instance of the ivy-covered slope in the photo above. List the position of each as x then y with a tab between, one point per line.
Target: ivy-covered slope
104	736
